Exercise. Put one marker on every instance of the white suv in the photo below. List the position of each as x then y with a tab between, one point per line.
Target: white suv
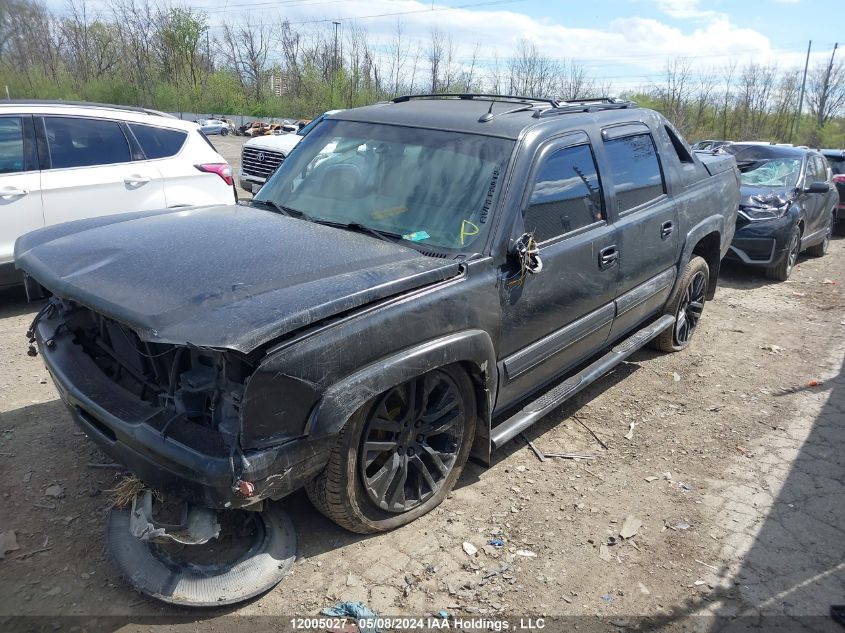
62	161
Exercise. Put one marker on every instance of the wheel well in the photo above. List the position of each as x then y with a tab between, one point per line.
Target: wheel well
709	248
481	444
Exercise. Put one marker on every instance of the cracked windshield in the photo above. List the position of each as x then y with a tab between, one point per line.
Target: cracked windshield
423	186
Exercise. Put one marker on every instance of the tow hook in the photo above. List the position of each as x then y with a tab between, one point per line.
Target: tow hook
197	525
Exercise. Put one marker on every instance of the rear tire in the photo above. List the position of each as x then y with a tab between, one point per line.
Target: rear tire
686	305
820	249
782	270
393	463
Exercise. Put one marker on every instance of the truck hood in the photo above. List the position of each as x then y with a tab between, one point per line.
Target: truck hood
226	276
276	143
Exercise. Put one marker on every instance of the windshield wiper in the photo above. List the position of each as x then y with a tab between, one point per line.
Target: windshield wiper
358	228
278	208
351	226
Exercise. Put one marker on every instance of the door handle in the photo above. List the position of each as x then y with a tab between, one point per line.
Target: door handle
136	180
608	257
10	193
666	229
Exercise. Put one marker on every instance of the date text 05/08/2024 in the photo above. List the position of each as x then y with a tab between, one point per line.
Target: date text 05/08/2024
420	623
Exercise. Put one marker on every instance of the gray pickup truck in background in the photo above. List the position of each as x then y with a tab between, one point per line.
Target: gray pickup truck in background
419	281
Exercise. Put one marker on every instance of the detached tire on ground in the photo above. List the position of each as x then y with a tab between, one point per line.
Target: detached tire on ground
260	551
400	454
686	305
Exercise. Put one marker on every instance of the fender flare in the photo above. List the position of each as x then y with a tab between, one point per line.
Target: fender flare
345	397
711	224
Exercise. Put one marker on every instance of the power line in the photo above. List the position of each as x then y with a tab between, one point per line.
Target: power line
487	3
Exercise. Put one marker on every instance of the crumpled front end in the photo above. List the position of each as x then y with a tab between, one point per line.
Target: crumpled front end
170	413
763	228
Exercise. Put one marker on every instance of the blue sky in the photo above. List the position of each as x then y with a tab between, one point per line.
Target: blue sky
626	43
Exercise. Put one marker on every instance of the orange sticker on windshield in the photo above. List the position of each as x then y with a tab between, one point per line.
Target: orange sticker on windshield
468	229
387	213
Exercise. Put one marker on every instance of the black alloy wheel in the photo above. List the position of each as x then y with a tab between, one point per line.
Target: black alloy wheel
411	441
690	308
794	249
820	249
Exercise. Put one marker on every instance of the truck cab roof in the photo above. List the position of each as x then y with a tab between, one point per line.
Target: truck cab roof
490	115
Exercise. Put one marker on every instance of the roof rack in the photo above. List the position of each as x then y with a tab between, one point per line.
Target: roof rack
586	105
479	96
84	104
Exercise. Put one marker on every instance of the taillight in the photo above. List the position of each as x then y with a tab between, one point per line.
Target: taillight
839	179
221	169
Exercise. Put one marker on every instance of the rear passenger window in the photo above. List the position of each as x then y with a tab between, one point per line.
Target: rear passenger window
636	171
566	194
78	142
11	145
158	142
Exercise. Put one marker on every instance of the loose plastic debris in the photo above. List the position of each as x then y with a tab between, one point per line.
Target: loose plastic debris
357	610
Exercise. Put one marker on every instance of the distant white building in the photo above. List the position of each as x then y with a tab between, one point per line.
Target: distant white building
279	84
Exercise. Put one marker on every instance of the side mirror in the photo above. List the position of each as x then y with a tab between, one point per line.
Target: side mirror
527	253
817	187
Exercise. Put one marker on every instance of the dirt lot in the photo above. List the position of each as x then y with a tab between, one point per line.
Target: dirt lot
732	459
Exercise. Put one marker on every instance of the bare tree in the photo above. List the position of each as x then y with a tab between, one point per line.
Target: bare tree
91	44
244	48
398	51
727	94
436	52
530	73
673	94
826	90
704	90
574	83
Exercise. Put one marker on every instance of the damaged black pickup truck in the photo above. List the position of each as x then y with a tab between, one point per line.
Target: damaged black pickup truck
420	281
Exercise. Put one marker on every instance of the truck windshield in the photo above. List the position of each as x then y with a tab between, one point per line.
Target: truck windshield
430	187
781	173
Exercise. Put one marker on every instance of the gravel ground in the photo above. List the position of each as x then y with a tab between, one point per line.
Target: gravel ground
728	454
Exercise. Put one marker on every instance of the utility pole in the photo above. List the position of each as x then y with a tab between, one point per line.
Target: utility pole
823	100
801	98
333	65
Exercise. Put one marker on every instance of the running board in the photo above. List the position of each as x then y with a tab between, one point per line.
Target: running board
533	411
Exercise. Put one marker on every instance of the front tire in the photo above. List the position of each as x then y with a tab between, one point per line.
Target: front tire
686	305
782	271
400	454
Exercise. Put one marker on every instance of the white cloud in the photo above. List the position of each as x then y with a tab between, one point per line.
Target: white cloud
683	9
